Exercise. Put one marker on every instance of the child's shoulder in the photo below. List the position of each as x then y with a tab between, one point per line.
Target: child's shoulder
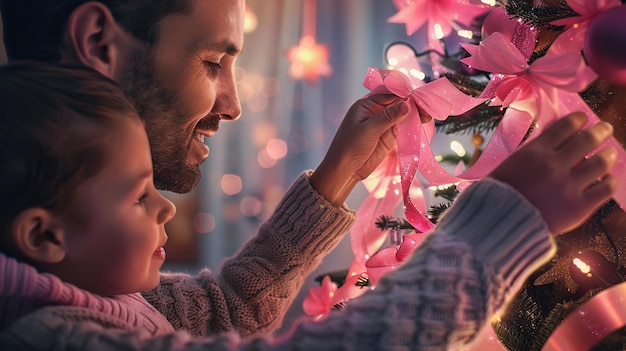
46	326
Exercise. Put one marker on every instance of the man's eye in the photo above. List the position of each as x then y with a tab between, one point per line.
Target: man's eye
212	66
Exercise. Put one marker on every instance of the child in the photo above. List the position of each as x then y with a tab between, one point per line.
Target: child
82	235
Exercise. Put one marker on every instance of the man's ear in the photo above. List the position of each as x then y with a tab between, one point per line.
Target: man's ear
94	38
37	236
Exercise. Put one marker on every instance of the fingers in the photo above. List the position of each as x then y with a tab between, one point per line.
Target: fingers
600	193
561	130
383	99
595	167
577	147
392	114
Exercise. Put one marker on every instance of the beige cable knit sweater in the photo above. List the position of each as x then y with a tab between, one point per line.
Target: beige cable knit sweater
465	271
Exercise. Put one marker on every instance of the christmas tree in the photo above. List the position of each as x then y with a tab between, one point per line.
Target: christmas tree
524	63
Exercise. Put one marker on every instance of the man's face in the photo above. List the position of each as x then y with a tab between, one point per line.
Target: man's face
184	85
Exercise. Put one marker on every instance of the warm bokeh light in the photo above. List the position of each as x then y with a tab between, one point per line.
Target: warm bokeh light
262	133
204	222
276	149
250	206
264	160
231	184
250	21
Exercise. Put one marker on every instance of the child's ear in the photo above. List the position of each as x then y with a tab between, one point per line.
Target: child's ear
37	236
94	38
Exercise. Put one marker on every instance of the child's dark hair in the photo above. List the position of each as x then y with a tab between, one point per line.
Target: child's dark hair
55	121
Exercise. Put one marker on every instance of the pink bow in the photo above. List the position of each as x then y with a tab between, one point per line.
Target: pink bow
543	91
318	302
391	257
439	99
538	82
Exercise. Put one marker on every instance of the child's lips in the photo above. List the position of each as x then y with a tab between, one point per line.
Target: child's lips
160	252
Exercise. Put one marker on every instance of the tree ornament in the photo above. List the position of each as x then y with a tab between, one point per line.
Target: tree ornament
605	45
591	270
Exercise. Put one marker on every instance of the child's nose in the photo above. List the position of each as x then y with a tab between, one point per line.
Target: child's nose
167	211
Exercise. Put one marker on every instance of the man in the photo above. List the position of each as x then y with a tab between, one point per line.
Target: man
175	60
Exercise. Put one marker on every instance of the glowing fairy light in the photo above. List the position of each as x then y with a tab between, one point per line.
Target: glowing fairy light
457	148
438	31
584	268
464	33
489	2
417	74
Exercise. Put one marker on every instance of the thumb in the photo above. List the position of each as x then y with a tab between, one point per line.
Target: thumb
394	114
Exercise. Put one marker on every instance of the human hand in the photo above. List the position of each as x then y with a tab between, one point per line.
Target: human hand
363	140
554	175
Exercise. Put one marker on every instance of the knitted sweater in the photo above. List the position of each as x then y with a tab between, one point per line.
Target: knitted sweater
465	271
250	295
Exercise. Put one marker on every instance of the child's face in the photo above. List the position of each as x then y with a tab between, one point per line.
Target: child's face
118	247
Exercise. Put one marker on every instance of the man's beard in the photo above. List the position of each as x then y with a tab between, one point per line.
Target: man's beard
158	109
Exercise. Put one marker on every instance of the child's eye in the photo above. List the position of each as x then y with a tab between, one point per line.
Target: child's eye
142	198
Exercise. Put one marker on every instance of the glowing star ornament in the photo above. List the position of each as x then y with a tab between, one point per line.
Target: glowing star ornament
309	60
441	17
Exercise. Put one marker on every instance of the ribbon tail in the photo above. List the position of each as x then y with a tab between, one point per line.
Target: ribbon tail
505	140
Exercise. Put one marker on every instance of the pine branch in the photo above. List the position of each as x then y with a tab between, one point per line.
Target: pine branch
436	211
466	84
449	193
481	119
538	53
594	97
388	222
539	15
337	277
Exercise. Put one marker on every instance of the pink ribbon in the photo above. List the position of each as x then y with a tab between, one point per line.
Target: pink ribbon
439	99
541	92
391	257
591	322
546	90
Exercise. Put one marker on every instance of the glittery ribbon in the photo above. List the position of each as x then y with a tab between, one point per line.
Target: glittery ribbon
547	90
590	323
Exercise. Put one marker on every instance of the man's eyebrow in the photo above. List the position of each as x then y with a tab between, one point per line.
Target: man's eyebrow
225	46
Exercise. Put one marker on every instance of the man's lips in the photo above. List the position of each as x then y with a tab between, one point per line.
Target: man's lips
201	134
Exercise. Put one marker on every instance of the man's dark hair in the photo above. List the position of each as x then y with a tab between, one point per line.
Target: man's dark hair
34	29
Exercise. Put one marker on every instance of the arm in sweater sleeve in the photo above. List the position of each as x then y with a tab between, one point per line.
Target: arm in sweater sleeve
464	273
256	287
